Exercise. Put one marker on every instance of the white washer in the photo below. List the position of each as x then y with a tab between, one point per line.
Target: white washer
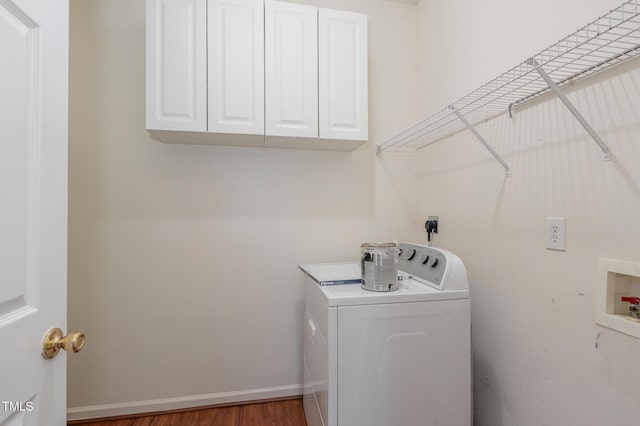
389	358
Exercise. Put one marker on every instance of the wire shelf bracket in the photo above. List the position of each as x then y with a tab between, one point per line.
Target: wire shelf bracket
473	130
610	39
555	89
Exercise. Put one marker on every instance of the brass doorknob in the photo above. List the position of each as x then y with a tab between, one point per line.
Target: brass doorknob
55	340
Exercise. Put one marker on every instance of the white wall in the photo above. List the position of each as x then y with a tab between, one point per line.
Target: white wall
539	357
183	259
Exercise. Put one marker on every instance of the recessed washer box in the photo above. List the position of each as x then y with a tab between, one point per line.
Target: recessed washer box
617	279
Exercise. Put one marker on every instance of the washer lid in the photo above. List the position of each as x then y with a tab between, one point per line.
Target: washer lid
333	273
410	290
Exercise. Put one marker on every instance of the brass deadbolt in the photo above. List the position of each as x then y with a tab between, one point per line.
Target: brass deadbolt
55	340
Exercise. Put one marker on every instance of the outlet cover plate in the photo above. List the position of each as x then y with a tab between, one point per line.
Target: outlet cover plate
556	233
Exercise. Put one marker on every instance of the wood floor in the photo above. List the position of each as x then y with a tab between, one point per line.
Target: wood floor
277	413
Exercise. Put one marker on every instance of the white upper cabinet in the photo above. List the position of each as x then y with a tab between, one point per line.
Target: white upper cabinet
342	41
291	69
231	72
236	66
176	65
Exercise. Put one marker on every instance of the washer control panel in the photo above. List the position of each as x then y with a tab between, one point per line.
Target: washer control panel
427	264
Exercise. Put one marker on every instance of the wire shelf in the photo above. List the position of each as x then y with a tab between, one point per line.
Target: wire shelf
609	40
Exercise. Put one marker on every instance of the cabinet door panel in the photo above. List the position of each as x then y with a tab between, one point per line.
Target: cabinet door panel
236	66
291	73
176	65
343	75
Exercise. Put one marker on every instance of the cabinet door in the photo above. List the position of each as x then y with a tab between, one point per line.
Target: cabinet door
176	65
342	38
291	69
236	66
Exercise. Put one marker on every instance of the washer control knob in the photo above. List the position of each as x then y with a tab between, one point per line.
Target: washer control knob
425	259
412	255
435	263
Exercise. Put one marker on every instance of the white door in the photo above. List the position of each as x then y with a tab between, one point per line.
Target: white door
33	208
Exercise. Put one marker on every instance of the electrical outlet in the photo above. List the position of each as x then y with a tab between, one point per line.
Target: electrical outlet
556	233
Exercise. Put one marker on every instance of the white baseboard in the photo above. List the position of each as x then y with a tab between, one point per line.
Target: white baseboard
135	407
